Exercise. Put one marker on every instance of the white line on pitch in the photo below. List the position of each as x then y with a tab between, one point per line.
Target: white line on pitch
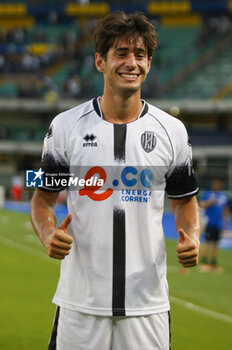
202	310
173	268
27	249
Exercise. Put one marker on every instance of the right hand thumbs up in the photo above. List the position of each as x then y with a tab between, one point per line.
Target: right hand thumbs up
60	241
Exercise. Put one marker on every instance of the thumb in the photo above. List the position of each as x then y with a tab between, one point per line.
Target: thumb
182	235
65	223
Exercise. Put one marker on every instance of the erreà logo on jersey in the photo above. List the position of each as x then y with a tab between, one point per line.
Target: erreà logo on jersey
89	140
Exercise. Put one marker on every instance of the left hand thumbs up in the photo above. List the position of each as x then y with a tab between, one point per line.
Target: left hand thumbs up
187	249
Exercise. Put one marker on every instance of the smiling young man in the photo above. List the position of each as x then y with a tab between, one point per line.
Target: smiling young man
113	292
125	65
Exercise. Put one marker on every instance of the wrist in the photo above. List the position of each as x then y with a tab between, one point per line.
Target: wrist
46	236
197	241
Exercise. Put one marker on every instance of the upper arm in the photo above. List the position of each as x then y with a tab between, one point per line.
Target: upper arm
227	211
42	197
55	162
180	179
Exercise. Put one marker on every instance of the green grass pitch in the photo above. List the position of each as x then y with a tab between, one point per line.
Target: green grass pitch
201	303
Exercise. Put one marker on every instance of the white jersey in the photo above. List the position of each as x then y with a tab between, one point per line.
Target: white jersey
117	264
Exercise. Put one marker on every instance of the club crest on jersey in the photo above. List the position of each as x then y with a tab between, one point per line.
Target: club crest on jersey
148	141
89	140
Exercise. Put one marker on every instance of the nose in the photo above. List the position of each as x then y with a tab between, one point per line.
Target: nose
131	60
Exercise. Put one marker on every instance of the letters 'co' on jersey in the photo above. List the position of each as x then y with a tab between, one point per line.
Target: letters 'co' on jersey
117	264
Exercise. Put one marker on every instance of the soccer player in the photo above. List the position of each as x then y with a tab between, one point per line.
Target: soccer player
215	203
113	292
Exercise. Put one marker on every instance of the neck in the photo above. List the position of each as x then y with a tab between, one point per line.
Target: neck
120	109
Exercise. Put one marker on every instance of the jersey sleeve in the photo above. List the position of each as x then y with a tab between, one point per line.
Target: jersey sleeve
54	161
180	180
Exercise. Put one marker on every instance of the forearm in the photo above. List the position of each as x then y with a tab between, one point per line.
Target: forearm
226	214
187	217
188	225
43	216
56	240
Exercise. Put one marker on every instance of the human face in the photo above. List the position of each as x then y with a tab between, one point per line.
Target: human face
217	185
126	66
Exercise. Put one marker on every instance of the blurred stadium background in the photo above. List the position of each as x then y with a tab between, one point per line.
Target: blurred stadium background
47	66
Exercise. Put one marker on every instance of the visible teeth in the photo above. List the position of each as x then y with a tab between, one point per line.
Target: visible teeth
129	75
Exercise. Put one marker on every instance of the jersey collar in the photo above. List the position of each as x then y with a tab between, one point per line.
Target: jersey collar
97	108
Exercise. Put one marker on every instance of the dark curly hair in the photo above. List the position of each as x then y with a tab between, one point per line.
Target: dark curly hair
117	24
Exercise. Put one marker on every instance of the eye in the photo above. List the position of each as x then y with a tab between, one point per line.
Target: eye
140	55
121	54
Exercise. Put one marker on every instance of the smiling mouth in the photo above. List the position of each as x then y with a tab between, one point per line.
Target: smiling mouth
129	75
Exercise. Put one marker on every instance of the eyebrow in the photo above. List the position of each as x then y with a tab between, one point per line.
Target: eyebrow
137	49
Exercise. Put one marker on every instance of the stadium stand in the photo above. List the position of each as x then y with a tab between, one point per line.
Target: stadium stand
47	66
53	40
209	81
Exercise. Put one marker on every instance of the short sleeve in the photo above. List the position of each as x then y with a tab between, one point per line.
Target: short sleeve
54	162
180	180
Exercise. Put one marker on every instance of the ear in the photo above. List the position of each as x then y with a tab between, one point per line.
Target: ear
99	62
149	63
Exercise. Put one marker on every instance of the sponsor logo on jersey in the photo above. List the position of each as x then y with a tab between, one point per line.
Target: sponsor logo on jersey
130	178
34	178
89	140
135	196
148	141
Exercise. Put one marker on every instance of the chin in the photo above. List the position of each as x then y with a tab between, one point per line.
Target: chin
130	89
128	92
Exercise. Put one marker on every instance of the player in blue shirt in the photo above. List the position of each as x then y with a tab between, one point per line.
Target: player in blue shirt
215	202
